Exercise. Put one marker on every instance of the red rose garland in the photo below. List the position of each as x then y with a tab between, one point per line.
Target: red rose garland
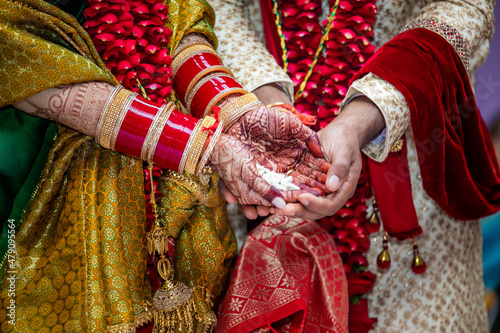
347	48
131	37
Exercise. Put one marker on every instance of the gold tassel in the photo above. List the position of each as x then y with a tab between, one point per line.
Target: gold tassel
173	305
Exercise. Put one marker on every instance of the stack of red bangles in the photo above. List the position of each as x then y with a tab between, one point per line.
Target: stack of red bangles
201	81
161	134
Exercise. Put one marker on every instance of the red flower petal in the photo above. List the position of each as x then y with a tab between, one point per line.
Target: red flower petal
148	68
368	9
165	91
105	37
143	42
145	77
139	32
159	8
151	49
123	66
129	47
135	59
159	58
109	18
141	9
147	23
356	19
346	5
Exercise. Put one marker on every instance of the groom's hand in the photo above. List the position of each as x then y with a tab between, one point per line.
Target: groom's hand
342	141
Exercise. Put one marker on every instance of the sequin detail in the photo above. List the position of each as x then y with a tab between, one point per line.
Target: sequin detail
447	32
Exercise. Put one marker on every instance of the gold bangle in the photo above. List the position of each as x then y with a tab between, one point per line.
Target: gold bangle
110	117
154	132
189	44
193	155
187	54
275	104
121	116
236	107
236	115
203	73
186	51
187	149
279	106
220	96
157	134
105	110
197	86
210	148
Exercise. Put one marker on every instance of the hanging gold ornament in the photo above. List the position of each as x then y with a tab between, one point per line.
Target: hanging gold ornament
418	265
384	258
374	221
173	306
374	218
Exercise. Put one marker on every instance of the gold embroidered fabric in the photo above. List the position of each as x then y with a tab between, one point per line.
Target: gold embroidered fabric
190	16
452	35
35	57
81	254
205	241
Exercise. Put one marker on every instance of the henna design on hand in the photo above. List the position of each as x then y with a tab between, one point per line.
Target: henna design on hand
235	163
278	141
76	105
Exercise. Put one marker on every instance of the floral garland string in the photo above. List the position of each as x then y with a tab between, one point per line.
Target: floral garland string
345	51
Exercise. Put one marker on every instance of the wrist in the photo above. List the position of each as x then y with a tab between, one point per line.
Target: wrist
235	109
363	119
272	93
209	146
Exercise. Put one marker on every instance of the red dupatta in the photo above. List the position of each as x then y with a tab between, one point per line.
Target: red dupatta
290	274
456	157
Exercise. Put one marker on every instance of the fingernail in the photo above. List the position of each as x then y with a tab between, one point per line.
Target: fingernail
333	183
279	202
305	202
322	178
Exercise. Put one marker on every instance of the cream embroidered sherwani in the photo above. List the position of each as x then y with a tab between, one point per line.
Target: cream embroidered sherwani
448	297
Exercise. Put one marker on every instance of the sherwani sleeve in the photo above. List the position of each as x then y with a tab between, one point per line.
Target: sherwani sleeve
241	50
472	20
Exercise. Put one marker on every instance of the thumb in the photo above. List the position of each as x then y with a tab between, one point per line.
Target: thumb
339	169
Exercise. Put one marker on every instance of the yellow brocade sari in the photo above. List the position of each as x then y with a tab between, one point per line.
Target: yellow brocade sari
80	245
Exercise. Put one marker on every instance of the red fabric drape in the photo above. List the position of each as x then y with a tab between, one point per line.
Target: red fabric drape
271	31
289	274
391	185
456	157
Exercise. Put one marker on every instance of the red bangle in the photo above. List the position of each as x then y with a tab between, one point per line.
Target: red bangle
173	140
190	70
211	92
135	126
